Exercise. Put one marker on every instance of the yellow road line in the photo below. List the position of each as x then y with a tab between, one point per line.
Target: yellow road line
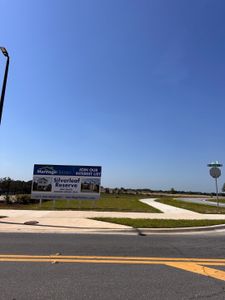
108	259
194	265
159	259
212	263
102	261
98	261
195	268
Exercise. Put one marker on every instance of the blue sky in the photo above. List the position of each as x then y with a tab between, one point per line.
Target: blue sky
134	86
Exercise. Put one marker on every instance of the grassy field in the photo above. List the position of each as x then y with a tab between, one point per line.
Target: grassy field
160	223
107	202
201	208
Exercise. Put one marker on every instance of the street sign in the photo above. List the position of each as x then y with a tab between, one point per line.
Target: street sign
215	164
215	172
66	182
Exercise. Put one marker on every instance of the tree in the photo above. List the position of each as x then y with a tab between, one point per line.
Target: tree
223	188
172	191
5	187
10	186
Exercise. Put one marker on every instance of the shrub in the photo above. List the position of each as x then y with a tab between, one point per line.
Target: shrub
23	199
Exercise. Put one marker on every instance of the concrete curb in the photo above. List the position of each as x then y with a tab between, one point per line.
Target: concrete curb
138	231
183	229
144	231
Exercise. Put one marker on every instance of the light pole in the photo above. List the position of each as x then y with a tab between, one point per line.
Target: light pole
5	53
215	172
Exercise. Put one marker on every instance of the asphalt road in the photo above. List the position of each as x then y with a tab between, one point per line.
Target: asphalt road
116	271
201	201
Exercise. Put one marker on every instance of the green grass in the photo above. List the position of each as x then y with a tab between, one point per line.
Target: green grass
201	208
107	202
160	223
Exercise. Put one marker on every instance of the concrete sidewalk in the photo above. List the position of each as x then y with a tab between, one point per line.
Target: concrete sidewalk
78	221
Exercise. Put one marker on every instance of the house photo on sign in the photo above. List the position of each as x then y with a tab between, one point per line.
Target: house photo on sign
42	184
90	185
66	182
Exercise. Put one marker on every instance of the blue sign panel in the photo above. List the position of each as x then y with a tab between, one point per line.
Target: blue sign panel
67	170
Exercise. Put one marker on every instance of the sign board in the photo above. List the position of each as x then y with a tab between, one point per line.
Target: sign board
215	172
66	182
215	164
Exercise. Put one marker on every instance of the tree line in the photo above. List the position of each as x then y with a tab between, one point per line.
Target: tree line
10	186
13	187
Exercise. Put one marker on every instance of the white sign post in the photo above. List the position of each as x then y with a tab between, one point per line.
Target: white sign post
215	172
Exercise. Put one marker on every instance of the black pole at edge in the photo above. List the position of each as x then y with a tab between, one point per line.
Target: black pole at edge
4	88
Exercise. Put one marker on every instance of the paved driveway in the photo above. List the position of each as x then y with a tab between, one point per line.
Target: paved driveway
203	201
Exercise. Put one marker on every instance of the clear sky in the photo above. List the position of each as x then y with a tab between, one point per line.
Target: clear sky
137	87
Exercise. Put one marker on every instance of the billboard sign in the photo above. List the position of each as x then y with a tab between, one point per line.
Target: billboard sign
66	182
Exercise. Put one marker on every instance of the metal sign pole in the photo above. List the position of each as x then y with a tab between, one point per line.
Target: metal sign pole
40	202
217	198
